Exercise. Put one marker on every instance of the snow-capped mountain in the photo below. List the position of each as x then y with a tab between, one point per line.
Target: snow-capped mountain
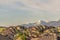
32	24
50	23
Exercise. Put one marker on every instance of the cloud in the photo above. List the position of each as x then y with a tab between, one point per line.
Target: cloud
52	5
29	10
47	5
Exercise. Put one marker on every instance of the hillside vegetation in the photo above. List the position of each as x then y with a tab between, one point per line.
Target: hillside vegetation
26	33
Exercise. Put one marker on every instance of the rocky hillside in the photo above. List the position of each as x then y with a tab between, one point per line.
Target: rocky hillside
31	31
21	32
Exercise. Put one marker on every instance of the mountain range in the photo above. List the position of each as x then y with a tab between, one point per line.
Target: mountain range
50	23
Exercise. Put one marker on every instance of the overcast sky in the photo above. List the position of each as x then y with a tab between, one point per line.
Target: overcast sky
15	12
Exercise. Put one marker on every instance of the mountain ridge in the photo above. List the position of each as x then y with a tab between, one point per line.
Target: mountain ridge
49	23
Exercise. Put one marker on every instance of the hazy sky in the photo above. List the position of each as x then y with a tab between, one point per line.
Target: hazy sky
14	12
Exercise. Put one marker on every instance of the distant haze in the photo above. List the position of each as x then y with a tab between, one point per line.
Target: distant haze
16	12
